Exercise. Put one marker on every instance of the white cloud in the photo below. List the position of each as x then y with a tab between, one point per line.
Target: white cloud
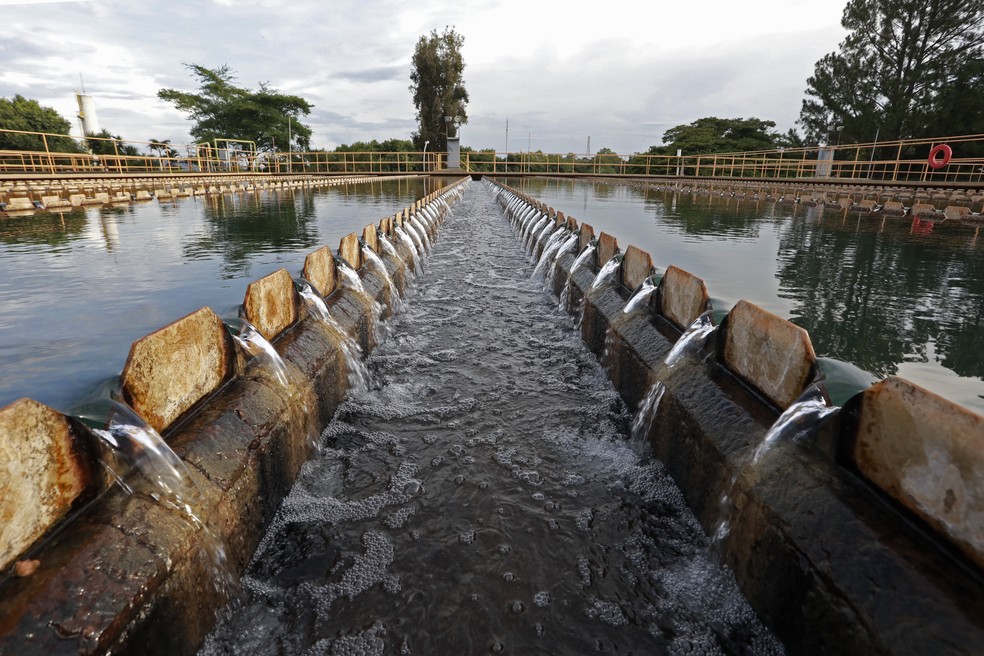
621	73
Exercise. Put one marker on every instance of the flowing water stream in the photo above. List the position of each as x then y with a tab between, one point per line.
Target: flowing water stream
482	496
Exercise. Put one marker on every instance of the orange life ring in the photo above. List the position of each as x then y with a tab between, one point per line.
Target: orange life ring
936	162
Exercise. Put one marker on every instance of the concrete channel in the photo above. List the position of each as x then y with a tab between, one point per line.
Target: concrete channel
864	534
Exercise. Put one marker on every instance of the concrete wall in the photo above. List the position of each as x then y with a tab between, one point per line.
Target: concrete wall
862	536
94	569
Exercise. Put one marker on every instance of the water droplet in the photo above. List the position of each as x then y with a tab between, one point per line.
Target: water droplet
509	577
539	496
517	607
542	598
414	488
473	596
484	485
459	479
539	630
498	647
504	549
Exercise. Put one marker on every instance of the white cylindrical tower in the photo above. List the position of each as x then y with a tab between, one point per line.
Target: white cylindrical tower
87	114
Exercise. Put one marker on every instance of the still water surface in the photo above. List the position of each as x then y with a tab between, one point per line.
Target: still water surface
76	289
888	296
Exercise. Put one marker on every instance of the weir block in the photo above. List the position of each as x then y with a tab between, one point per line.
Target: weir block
272	304
172	369
773	355
607	248
637	265
319	270
350	250
681	297
47	467
897	444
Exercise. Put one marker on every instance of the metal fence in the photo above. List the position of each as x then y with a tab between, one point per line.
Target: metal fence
944	160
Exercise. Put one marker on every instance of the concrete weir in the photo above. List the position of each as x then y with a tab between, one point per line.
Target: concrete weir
852	530
91	566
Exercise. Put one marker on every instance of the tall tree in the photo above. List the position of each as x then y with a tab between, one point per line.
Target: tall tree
221	110
720	135
25	115
438	88
894	72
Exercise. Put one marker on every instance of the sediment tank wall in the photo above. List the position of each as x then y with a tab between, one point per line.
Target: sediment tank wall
846	535
139	567
860	533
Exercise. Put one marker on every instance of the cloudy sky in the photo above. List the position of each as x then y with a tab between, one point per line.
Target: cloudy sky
620	72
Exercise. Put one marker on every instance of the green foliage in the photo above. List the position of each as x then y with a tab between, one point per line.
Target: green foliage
162	148
907	69
438	88
19	113
718	135
104	143
222	110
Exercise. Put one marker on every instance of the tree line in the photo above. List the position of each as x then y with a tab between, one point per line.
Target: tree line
907	69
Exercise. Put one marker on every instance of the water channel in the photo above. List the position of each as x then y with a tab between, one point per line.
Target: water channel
886	295
77	288
483	494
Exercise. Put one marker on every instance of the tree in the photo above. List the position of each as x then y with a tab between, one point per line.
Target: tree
162	148
895	71
104	143
719	135
26	115
222	110
438	88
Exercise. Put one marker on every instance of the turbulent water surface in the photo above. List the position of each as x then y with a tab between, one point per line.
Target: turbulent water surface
483	495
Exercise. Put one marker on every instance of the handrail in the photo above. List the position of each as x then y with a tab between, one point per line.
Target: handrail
903	161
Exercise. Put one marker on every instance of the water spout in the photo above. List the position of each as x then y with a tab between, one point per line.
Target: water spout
377	263
357	372
139	460
800	419
607	272
693	339
259	349
641	297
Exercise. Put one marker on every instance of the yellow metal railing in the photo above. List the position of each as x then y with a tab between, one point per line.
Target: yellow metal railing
887	161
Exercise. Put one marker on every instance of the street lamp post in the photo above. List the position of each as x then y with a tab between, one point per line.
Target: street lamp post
425	155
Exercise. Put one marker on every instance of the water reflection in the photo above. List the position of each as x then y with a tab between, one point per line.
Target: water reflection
882	293
52	229
237	227
875	294
77	288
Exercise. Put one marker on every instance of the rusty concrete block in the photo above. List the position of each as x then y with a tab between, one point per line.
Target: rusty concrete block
585	236
19	203
319	270
637	265
371	238
682	297
607	248
170	370
271	303
923	208
928	454
350	251
571	224
771	354
386	226
47	468
76	199
955	212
